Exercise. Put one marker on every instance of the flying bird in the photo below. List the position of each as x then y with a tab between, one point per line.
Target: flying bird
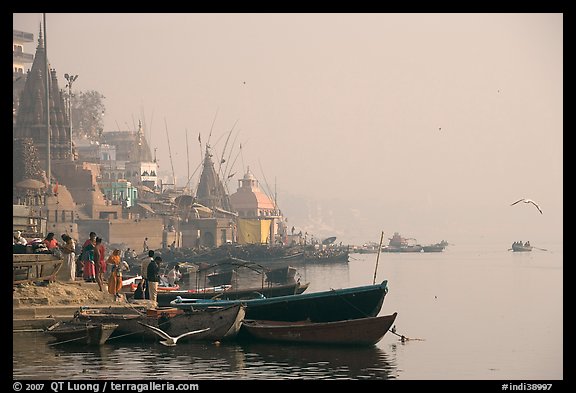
170	341
528	201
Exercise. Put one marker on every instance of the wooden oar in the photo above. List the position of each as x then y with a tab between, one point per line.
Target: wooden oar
543	249
378	257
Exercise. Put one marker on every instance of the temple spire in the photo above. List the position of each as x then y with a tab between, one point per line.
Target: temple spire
40	38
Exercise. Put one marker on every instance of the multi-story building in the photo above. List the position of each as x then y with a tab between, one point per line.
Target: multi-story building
20	60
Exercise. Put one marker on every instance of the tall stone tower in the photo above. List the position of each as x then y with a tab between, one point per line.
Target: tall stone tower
31	119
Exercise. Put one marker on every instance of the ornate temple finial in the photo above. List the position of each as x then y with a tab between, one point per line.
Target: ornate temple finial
40	38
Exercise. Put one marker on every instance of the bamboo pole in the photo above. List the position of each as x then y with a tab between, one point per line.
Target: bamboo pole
378	258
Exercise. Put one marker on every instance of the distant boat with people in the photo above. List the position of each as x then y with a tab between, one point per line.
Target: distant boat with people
521	247
438	247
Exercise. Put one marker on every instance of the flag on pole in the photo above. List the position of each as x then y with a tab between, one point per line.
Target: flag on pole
56	188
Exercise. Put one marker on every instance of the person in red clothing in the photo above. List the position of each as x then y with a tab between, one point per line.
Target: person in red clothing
99	262
50	242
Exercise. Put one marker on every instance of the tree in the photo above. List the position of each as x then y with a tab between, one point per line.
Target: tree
87	114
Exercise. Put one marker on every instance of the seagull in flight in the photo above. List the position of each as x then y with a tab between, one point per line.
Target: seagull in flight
170	341
528	201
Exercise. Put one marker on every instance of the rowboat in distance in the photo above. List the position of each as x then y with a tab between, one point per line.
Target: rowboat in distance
326	306
361	331
433	248
437	247
519	247
224	322
74	332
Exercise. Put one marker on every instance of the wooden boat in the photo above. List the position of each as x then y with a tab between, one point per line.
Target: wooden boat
361	331
433	248
224	322
325	306
367	250
227	292
254	253
324	256
280	275
519	247
222	278
86	333
437	247
29	268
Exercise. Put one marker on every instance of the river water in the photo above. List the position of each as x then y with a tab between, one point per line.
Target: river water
472	312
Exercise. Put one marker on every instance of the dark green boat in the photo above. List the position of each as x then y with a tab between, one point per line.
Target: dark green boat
325	306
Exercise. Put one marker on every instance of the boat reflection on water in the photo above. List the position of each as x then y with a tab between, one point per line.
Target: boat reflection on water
305	361
197	360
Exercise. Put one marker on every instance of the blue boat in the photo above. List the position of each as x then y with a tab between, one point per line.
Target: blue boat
325	306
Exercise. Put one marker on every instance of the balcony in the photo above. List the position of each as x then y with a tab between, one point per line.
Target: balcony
22	57
22	36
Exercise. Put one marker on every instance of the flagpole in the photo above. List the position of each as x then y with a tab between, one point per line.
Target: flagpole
47	75
187	158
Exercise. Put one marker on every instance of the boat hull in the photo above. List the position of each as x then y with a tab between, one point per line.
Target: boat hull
516	248
83	333
164	299
433	248
326	306
363	331
416	248
224	323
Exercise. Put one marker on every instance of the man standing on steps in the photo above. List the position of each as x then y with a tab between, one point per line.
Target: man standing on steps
153	273
144	273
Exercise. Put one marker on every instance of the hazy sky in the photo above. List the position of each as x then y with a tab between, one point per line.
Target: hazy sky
426	124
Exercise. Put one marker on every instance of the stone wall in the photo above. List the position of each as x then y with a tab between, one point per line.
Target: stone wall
132	233
128	232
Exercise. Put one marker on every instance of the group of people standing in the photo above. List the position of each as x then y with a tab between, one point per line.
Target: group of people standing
92	265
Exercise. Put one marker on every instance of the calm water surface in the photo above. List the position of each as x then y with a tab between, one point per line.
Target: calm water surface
470	313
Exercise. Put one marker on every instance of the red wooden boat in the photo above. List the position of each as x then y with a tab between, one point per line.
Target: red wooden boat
362	331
